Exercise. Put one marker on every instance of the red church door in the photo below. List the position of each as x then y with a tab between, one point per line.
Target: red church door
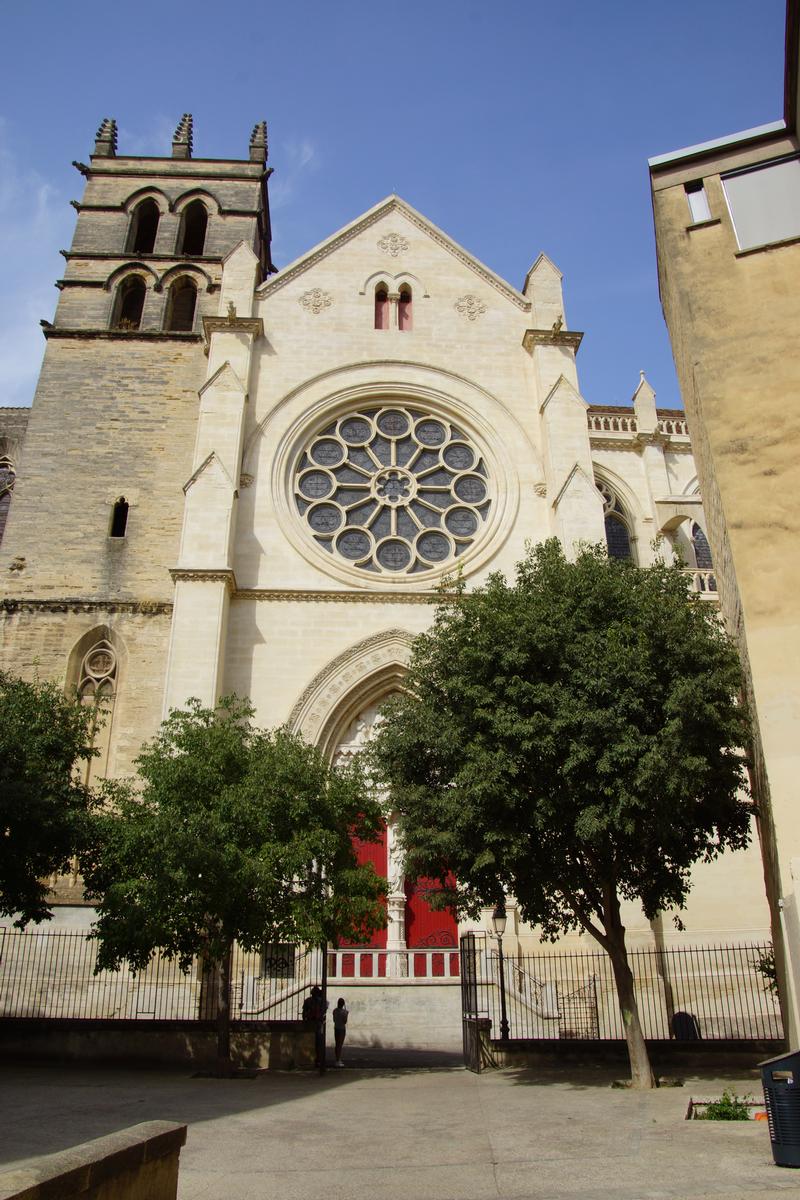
366	965
432	930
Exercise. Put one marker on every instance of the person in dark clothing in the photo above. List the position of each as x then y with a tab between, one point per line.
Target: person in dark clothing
340	1015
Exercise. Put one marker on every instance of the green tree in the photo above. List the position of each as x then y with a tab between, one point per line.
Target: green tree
571	738
43	804
231	833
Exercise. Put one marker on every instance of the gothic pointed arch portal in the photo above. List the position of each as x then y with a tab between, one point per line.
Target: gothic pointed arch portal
339	710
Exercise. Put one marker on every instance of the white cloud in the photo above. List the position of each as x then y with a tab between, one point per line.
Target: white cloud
156	141
297	159
35	222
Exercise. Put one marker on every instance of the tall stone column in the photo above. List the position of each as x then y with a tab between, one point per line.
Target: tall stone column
395	901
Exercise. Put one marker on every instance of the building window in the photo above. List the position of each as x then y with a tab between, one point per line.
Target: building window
698	201
97	685
392	490
130	303
144	227
192	238
404	309
8	478
180	306
381	308
765	203
119	518
702	550
618	534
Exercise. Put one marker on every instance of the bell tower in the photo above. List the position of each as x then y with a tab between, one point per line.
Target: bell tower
95	529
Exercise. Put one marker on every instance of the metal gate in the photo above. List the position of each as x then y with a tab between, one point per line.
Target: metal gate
476	1006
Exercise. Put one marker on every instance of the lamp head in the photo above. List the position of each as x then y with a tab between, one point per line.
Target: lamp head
499	920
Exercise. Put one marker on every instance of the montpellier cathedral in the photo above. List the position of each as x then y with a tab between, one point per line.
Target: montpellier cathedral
237	478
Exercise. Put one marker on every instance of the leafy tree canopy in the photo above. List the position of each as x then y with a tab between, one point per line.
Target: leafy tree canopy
44	736
571	738
233	834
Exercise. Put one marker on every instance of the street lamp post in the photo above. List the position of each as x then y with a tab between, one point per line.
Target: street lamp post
499	925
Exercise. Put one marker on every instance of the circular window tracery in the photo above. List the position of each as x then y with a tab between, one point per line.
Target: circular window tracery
392	490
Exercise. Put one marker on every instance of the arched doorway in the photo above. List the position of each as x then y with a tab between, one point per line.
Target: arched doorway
420	940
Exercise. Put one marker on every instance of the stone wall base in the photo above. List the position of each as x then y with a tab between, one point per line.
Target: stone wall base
281	1046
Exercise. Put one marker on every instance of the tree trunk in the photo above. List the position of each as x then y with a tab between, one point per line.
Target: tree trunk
224	1014
641	1071
320	1035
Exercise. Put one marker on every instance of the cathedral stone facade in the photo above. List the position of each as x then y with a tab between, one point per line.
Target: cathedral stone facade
238	479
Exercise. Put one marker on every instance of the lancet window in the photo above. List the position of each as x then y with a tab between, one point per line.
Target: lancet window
381	307
404	310
8	478
617	525
97	685
702	550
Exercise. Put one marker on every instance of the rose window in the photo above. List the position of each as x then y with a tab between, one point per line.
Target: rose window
392	490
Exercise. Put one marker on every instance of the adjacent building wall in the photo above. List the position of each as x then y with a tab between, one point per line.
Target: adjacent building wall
733	314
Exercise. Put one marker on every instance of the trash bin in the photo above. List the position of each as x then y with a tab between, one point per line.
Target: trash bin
780	1078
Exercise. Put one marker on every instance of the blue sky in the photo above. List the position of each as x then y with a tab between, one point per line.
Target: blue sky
516	126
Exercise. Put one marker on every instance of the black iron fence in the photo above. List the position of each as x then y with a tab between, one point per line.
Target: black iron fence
684	993
52	975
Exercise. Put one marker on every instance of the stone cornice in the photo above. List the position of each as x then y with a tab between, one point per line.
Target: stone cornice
146	335
180	260
77	604
232	324
195	575
181	169
332	597
551	337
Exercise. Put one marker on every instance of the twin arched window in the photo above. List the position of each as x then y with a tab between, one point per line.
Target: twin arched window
180	308
386	306
143	229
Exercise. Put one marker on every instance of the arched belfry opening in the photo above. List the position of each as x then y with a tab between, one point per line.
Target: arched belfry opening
192	236
143	228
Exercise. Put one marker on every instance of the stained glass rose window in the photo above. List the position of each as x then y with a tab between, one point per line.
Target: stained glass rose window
392	491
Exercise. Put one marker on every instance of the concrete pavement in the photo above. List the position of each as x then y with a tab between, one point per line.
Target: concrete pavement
399	1133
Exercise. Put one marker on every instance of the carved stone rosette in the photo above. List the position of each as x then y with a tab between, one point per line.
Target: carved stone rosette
393	244
470	306
315	300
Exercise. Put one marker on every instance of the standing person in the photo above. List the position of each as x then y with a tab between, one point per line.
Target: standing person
340	1015
315	1009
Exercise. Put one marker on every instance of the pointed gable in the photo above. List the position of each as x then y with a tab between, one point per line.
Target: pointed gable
392	246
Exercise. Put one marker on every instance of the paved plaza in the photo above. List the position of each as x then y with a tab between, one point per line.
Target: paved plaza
392	1133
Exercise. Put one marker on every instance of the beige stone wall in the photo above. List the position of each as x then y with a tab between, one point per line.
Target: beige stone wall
112	420
39	641
731	317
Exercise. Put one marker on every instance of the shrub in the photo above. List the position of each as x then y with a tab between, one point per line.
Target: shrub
729	1107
